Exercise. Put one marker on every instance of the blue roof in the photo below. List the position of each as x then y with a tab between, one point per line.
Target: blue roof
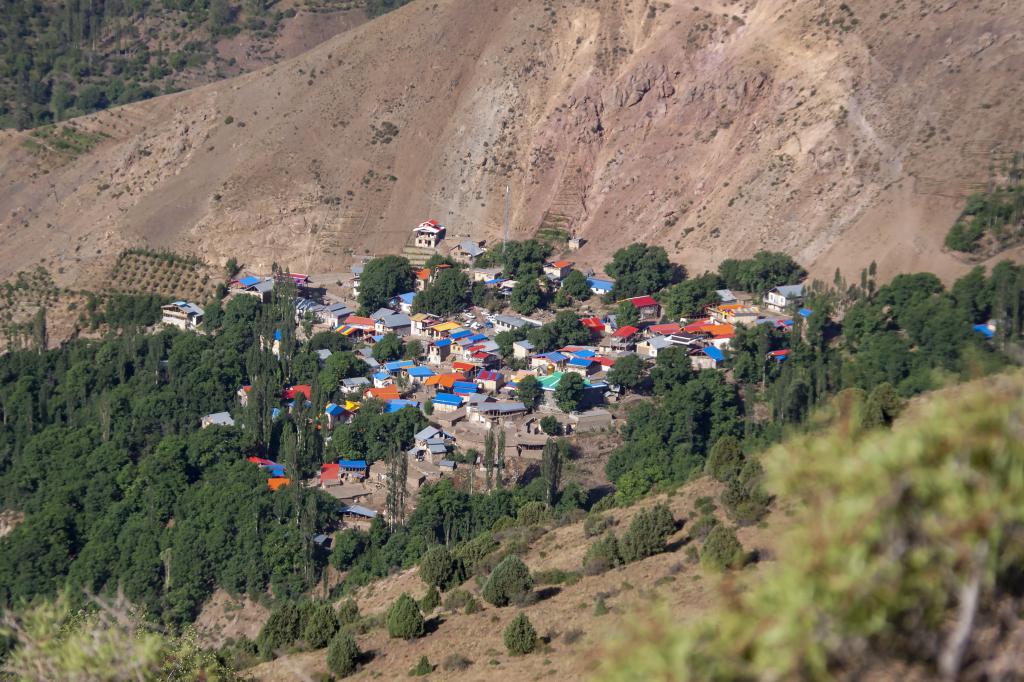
464	387
333	409
443	343
499	280
381	376
277	334
377	338
984	330
600	284
396	405
352	463
460	334
274	412
398	364
714	353
553	356
477	337
585	353
407	298
359	510
580	362
447	399
805	312
420	372
248	281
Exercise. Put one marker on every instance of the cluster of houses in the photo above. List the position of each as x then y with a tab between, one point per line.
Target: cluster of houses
463	382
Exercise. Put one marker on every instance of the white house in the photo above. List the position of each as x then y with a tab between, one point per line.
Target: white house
780	299
428	234
182	314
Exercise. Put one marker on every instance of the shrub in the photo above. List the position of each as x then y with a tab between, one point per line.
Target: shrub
431	600
603	555
647	534
702	526
455	663
596	524
342	654
510	580
404	619
725	459
600	608
533	513
439	569
471	552
520	637
550	425
457	599
280	630
472	606
422	668
721	550
321	625
348	612
556	576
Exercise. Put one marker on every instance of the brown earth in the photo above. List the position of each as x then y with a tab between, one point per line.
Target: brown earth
838	132
666	581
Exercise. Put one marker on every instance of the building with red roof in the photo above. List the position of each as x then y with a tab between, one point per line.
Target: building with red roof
298	389
649	308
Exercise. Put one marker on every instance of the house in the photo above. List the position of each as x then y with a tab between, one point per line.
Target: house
582	366
522	349
557	270
336	313
330	474
781	299
467	251
428	234
292	392
600	286
667	329
594	324
726	296
575	243
356	326
495	410
260	287
438	351
418	374
386	320
505	323
649	348
423	276
217	419
404	301
182	314
446	402
621	340
355	383
648	308
486	275
779	355
353	468
382	380
733	313
322	355
548	362
420	322
490	380
444	381
706	358
334	414
385	393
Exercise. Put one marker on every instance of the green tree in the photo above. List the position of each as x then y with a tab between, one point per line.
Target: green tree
627	314
423	667
602	555
765	270
281	629
647	534
389	348
551	469
529	391
520	637
721	550
404	619
431	600
550	425
725	459
439	569
343	654
348	612
569	392
449	293
510	581
690	297
413	350
526	296
575	285
672	369
639	270
321	625
627	372
383	279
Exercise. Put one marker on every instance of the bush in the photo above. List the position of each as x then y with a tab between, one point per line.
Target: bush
422	668
647	534
280	630
348	612
404	619
321	625
510	581
439	569
702	526
431	600
455	663
603	555
533	513
457	599
471	552
520	637
472	606
556	576
551	426
596	524
342	654
725	459
721	550
600	608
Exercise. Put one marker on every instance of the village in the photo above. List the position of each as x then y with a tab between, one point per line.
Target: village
470	392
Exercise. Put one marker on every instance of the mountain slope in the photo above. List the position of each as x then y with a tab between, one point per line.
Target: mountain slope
829	130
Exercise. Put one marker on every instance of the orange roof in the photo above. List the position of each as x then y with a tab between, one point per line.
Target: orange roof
356	321
446	380
562	263
386	393
465	366
718	329
423	274
275	483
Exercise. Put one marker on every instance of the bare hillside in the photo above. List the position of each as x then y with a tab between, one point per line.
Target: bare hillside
839	132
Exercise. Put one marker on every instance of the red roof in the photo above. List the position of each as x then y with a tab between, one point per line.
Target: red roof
480	355
330	472
292	391
697	325
643	301
664	329
356	321
603	361
489	375
423	273
386	393
593	323
562	263
464	366
779	353
625	332
260	460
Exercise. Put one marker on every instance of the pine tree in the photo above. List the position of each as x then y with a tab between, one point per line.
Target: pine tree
551	469
499	459
520	637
